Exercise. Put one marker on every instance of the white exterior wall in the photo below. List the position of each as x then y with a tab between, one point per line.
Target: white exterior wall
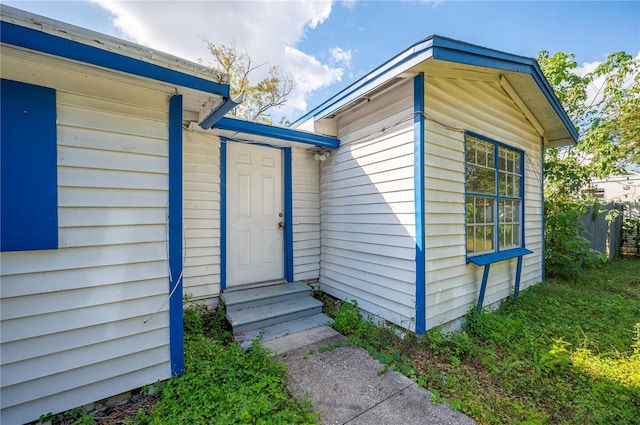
367	198
482	107
201	215
305	171
74	323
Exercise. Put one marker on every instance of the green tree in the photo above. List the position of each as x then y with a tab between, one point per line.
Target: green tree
260	98
608	123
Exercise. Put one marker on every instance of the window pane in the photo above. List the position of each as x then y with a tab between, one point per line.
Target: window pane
481	180
470	240
492	171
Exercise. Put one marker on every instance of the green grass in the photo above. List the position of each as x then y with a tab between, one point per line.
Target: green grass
567	352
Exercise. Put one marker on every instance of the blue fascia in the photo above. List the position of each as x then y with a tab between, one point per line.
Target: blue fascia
419	201
176	329
210	120
416	54
282	133
39	41
446	49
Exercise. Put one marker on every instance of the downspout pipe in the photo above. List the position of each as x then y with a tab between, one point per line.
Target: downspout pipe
214	116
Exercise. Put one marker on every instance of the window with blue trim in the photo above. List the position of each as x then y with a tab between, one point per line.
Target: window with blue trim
28	167
494	195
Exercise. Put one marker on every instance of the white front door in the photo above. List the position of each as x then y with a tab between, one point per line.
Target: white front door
255	247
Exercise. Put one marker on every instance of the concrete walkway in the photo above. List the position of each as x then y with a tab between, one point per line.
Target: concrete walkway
344	386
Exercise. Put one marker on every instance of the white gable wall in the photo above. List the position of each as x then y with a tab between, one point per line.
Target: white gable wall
482	107
73	319
368	221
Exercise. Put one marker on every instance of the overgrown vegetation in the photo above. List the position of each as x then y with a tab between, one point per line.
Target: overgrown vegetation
567	352
604	105
222	384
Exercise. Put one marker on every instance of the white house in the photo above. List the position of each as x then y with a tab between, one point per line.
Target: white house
416	191
434	199
111	199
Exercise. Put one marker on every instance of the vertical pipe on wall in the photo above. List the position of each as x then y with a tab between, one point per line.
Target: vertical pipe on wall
176	333
419	186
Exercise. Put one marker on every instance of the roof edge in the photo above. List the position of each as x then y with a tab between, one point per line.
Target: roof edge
446	49
277	132
38	33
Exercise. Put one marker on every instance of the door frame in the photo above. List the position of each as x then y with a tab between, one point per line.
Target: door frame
288	209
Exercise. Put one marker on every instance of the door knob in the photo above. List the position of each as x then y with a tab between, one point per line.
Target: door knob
281	224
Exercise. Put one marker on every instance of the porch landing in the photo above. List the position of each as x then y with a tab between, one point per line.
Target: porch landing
271	311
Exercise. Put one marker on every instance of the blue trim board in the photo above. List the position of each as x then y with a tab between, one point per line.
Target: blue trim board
28	167
176	331
288	215
47	43
223	213
283	133
544	267
419	200
210	120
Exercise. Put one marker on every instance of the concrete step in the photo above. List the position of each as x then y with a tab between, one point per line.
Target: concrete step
248	319
280	330
255	297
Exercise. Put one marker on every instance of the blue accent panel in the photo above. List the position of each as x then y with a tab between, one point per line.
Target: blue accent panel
215	115
419	200
483	286
28	168
494	257
282	133
42	42
288	215
516	287
223	213
176	330
544	267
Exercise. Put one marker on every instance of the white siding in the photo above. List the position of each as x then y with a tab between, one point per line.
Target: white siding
483	107
306	214
74	323
201	214
368	222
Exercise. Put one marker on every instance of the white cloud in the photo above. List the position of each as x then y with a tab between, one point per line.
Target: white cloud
269	31
594	91
342	56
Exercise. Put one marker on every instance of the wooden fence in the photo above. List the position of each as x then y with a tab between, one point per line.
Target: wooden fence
608	236
605	235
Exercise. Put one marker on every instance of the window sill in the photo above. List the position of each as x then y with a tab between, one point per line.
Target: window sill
494	257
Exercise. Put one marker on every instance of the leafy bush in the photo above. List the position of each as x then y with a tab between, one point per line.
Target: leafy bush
567	253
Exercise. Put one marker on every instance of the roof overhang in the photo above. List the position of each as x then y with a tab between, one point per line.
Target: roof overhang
201	86
257	132
520	76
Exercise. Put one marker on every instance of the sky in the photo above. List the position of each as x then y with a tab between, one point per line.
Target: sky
327	45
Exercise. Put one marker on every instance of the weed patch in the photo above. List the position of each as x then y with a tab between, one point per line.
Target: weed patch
567	352
222	384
